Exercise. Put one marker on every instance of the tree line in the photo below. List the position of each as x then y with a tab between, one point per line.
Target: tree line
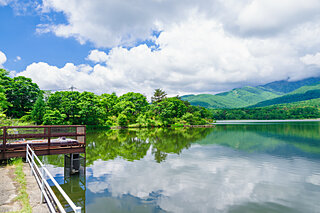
23	99
267	113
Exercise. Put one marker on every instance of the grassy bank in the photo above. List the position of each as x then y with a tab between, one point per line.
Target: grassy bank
23	197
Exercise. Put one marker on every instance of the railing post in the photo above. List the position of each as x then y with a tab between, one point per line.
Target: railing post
32	162
78	210
4	138
27	147
42	185
49	136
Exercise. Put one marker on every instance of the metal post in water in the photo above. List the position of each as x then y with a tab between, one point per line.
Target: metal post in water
71	167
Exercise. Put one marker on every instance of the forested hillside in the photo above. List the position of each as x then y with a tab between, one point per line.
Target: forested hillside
265	95
235	98
301	94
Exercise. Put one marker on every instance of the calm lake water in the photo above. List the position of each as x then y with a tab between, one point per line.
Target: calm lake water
271	167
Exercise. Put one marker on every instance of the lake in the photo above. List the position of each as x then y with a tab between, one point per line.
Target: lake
263	167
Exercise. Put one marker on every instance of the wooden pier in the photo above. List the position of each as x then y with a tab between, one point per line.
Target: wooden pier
44	140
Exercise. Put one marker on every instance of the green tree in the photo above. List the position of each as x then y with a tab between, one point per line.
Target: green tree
158	96
21	94
53	117
38	110
139	101
107	102
66	102
168	109
90	111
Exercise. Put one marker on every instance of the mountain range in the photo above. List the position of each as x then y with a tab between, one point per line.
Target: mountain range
278	92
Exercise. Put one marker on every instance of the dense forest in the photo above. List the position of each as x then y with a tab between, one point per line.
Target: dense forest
268	113
22	99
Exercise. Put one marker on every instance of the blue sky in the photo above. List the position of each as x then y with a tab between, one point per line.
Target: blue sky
183	47
19	38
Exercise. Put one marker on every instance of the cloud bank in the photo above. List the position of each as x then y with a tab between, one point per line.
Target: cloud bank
183	46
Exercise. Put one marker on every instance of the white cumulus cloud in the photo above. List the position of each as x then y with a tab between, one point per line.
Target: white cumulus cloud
193	57
311	59
202	46
272	15
3	59
109	23
97	56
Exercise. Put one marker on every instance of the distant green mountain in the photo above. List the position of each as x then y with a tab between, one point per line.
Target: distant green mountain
301	94
308	103
269	94
289	86
236	98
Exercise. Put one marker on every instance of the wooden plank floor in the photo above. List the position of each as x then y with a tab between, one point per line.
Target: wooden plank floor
42	149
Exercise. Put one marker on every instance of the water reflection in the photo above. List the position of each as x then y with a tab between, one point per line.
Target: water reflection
230	168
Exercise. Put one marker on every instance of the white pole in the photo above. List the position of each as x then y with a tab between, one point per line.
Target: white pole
27	153
32	162
42	185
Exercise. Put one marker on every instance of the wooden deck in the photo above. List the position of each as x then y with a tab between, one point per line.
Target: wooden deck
45	140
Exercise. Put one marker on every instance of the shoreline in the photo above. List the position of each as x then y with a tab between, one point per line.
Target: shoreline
265	121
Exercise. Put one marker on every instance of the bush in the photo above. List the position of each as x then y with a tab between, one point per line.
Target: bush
123	120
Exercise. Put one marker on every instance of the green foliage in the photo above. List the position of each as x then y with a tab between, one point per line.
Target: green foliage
21	94
265	95
289	86
235	98
268	113
107	102
133	144
54	117
23	99
123	120
193	119
301	94
158	95
38	110
168	109
90	112
22	186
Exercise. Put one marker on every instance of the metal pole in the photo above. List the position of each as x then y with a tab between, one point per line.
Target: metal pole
27	153
42	185
78	210
32	161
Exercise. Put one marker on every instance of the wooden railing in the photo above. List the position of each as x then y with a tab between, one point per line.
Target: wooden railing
48	132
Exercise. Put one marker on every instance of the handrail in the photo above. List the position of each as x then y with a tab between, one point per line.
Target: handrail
43	126
46	190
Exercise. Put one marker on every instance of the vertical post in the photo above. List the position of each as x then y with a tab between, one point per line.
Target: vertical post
78	210
32	162
27	148
4	138
71	159
49	136
85	135
42	185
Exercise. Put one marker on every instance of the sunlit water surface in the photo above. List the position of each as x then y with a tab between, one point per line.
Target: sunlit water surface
273	167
